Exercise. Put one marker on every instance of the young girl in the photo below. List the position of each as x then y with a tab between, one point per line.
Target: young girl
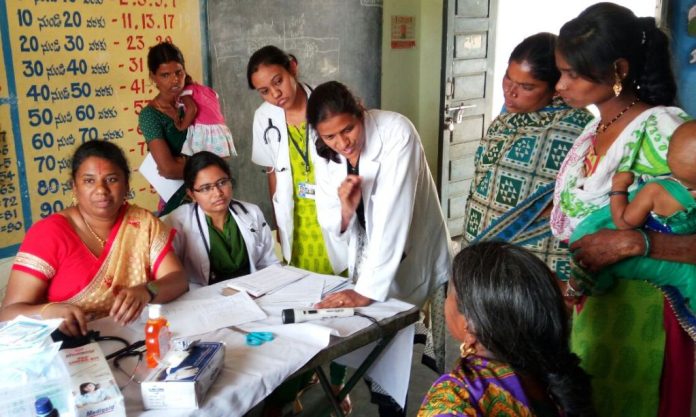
204	122
664	205
283	143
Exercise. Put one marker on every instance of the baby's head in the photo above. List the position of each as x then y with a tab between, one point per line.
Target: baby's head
681	155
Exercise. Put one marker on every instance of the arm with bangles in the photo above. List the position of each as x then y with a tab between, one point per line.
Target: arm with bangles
26	295
607	247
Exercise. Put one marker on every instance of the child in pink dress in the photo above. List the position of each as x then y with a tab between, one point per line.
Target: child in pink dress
203	118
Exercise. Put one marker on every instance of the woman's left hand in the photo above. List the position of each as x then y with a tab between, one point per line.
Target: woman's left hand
129	303
345	298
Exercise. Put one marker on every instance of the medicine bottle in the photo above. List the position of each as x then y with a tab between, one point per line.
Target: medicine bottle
157	335
44	408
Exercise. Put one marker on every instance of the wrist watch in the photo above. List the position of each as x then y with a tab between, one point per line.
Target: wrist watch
152	289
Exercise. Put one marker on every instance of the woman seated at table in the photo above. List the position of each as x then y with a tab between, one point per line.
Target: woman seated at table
219	238
99	257
503	304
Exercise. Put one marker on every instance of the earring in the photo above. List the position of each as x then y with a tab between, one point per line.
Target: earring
618	86
74	201
466	350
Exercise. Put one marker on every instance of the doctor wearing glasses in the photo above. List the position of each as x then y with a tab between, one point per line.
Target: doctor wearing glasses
218	238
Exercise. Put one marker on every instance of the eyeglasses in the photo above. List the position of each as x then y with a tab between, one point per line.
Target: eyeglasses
220	184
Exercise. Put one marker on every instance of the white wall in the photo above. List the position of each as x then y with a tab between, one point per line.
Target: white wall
519	19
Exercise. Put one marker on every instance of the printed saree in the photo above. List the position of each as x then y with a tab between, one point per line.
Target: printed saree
516	166
480	387
52	251
629	339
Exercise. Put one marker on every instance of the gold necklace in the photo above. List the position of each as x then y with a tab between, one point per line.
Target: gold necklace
602	127
102	242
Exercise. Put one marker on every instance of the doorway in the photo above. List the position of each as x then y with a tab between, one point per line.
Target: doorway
525	18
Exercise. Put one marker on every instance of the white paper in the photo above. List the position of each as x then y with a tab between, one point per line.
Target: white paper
302	293
266	280
164	186
188	318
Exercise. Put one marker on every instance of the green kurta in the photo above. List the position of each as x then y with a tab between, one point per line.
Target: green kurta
308	248
228	254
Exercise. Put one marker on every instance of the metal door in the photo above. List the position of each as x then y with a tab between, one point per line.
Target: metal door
467	75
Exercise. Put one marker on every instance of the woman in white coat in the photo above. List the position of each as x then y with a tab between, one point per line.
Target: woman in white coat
217	237
375	190
283	144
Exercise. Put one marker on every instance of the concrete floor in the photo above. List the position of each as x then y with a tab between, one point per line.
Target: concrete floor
422	378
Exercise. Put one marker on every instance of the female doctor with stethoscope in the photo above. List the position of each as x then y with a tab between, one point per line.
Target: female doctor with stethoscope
284	145
217	237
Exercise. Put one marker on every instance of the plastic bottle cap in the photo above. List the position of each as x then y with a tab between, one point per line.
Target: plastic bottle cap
43	405
154	311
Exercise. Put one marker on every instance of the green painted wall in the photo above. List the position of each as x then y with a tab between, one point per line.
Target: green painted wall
411	77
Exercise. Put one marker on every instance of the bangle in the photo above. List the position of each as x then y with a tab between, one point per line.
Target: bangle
613	193
45	306
646	240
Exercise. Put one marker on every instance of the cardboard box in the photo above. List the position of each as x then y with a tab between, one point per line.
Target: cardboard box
185	385
93	385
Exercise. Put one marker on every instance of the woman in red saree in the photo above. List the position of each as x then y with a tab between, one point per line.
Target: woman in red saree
100	257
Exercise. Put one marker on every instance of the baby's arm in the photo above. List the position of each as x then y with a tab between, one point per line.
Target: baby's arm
190	111
630	215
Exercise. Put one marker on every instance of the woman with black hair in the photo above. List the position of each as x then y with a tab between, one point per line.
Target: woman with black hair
504	306
218	237
518	159
629	337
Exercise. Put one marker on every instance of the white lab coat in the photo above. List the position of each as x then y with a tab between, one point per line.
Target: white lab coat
276	155
189	245
408	253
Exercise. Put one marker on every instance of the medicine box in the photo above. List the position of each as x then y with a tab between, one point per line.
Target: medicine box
93	385
184	385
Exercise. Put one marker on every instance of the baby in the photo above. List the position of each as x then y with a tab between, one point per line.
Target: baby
203	118
664	205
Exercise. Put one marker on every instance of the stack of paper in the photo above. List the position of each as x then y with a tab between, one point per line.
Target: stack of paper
266	280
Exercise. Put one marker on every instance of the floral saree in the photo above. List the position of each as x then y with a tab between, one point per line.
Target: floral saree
480	387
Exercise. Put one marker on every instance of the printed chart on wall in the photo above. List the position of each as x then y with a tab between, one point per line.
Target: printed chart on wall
73	71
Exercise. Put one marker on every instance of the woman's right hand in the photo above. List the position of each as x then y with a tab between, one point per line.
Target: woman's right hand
350	194
74	320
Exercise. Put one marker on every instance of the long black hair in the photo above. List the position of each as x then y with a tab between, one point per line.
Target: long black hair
199	161
538	51
511	301
605	32
268	55
100	149
330	99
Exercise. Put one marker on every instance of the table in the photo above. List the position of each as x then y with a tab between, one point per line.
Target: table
267	366
380	333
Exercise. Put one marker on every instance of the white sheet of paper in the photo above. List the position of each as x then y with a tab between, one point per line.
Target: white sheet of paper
188	318
266	280
164	186
302	293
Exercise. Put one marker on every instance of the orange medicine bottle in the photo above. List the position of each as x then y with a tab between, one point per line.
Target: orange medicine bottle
157	335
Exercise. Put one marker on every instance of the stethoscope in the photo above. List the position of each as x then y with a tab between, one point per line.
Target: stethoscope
233	205
272	131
